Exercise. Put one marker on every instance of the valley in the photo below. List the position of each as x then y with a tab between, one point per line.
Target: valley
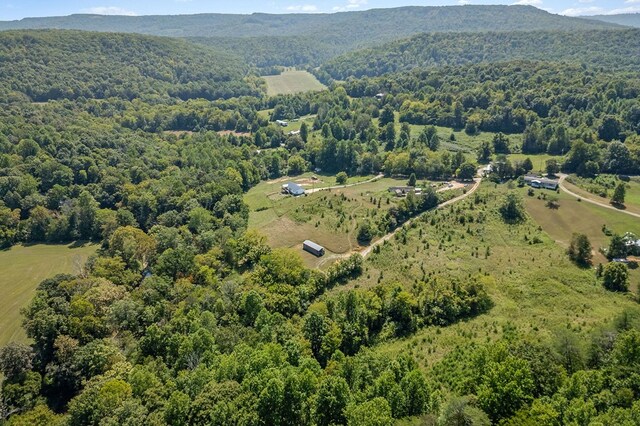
384	217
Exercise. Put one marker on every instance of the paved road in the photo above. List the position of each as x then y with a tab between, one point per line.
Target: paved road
589	200
314	190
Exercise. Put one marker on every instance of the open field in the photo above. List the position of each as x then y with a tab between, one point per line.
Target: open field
22	269
581	217
290	82
536	290
604	185
330	217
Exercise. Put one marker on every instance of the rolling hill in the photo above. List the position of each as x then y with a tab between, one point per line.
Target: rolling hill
294	39
60	64
607	48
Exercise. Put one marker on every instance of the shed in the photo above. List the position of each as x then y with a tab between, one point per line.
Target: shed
313	248
293	189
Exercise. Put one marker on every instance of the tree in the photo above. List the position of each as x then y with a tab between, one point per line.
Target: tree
552	167
331	401
580	250
412	180
365	232
387	116
500	144
619	194
511	209
527	165
460	412
297	165
504	387
615	277
135	247
484	153
376	412
617	247
15	361
466	171
341	178
304	132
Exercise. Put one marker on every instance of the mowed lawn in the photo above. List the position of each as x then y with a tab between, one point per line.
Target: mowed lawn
22	269
290	82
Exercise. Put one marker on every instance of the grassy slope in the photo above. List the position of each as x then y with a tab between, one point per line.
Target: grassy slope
534	286
288	221
290	82
632	195
22	269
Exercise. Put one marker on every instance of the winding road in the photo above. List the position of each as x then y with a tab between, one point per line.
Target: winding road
589	200
369	249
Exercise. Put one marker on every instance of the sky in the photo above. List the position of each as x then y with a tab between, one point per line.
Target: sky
18	9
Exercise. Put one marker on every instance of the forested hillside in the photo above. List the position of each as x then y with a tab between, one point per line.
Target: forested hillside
456	304
54	64
612	49
298	39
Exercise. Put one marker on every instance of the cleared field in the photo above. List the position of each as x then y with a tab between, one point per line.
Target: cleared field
536	290
582	217
330	218
290	82
578	216
604	185
22	269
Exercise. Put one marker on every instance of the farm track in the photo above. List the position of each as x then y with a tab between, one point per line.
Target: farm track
369	249
590	200
329	188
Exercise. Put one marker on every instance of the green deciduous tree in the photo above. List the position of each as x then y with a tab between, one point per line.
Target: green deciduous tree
615	276
619	194
580	250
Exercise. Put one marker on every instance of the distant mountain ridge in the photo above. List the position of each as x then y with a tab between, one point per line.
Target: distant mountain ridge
626	19
368	26
612	49
41	65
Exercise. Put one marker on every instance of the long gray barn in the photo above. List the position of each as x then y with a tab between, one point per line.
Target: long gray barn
313	248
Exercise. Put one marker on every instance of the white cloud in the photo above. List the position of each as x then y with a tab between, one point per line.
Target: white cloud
580	11
110	10
596	10
528	2
463	2
303	8
630	9
351	5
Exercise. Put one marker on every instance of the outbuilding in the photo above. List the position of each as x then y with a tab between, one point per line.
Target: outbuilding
293	189
313	248
541	182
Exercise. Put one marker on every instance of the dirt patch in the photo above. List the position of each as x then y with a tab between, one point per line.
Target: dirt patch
178	132
308	181
231	132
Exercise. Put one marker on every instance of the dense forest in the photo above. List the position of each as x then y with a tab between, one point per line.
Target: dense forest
611	49
302	39
44	65
147	146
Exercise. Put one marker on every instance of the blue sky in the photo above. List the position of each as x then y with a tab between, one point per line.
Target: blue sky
17	9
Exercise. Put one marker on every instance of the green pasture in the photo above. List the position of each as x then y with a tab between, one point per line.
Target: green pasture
292	81
22	268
